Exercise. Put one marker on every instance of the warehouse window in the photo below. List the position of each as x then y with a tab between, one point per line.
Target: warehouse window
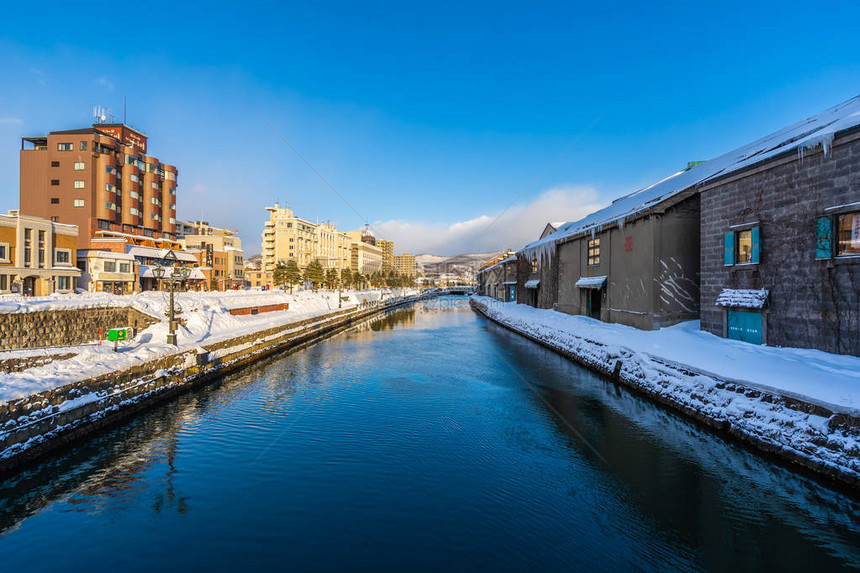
64	147
848	234
593	252
55	163
742	247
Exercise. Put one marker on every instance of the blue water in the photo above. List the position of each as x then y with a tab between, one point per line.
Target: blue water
430	440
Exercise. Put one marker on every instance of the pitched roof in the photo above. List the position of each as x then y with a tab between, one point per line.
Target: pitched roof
801	136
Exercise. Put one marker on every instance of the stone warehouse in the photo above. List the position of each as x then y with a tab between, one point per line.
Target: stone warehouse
781	246
765	239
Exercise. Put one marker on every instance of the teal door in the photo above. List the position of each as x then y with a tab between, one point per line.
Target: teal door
512	294
745	325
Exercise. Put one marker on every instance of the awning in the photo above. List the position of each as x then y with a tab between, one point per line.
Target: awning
742	298
533	283
591	282
509	283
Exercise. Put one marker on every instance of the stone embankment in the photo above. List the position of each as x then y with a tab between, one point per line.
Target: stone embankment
50	328
798	431
39	423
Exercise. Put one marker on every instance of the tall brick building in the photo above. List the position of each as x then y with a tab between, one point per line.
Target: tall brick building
101	179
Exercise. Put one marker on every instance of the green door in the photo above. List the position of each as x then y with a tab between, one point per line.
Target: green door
745	325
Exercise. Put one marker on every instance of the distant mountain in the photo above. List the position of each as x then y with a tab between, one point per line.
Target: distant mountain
465	265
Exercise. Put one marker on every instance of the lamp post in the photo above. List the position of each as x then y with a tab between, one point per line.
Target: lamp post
160	272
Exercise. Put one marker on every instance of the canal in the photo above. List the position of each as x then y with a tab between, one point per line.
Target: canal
431	439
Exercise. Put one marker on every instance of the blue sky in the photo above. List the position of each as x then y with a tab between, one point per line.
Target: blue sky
428	118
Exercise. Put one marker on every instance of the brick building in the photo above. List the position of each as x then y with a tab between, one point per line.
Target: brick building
37	256
101	179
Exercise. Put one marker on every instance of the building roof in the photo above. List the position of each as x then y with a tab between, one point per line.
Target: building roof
806	135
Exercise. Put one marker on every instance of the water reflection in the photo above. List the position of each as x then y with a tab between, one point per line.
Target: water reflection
416	441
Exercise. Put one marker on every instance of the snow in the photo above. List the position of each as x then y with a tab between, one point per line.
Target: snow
534	283
830	380
803	136
742	298
208	320
590	282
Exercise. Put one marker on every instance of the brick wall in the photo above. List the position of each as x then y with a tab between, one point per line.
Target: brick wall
812	304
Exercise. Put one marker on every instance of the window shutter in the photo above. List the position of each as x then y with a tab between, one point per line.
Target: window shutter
824	237
729	249
756	245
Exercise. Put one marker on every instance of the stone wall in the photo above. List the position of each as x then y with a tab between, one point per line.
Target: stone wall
812	303
66	327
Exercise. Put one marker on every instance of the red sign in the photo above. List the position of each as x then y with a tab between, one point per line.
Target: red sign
125	134
628	244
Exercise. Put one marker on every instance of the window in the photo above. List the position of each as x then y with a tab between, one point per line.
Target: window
4	252
154	185
55	219
124	268
742	247
4	282
133	194
104	224
82	264
110	170
64	283
134	178
79	184
55	200
55	163
147	232
110	266
79	203
593	252
110	188
848	234
83	146
62	256
535	265
64	147
79	165
133	211
110	206
55	182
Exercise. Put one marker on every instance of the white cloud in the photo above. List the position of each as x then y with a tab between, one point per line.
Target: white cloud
105	83
516	227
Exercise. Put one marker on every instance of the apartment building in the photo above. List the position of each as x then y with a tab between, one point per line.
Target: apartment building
106	271
37	256
405	265
387	255
287	237
365	255
102	180
218	252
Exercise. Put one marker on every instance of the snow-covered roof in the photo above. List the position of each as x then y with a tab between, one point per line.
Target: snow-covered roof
742	298
818	130
146	273
591	282
153	253
88	253
534	283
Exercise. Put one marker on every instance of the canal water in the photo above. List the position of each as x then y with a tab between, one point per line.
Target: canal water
429	440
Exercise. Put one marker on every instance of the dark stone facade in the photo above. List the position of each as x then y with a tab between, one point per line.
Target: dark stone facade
812	303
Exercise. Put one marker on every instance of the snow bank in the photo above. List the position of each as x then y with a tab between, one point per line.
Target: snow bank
207	316
738	386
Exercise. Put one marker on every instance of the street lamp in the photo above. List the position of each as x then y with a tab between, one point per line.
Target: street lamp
160	273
